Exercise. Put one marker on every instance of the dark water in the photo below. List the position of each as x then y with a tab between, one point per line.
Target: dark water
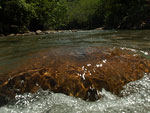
16	51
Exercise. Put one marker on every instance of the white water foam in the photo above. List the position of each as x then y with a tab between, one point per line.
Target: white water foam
136	100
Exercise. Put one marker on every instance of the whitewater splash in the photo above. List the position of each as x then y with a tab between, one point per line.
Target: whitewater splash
77	76
136	100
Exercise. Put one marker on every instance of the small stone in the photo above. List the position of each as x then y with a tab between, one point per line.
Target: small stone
49	32
29	33
38	32
11	34
19	34
101	28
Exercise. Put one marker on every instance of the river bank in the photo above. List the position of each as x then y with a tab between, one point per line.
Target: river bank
143	26
37	32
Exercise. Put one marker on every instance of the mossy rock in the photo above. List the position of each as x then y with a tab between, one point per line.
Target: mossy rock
110	70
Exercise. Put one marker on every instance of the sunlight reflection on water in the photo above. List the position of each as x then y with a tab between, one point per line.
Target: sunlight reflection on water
15	50
137	101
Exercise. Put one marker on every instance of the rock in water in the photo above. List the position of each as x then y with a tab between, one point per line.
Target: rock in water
81	77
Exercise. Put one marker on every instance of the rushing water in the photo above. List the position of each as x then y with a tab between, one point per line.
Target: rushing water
47	102
15	51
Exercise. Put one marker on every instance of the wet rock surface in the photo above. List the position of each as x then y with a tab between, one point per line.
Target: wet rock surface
82	77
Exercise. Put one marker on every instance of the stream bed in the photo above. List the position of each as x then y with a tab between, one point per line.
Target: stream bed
20	53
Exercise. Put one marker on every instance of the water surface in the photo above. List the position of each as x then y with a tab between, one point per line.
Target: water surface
17	51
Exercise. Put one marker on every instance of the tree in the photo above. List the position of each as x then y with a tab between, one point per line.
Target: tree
81	12
50	14
16	15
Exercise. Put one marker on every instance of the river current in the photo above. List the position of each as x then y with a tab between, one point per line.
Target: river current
16	51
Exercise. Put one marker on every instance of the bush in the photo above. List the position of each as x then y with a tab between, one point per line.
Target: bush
21	15
16	15
123	13
81	13
49	14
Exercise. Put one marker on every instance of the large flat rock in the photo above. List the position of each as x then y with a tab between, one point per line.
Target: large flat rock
76	74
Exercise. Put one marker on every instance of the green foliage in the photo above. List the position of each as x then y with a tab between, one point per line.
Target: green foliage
108	13
81	12
135	13
123	13
23	15
113	11
49	14
16	15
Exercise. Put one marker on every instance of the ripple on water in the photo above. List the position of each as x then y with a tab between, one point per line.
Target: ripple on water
136	100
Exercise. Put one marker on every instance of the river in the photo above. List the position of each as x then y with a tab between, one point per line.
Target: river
17	51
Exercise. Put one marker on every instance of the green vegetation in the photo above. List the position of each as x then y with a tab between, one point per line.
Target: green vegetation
23	15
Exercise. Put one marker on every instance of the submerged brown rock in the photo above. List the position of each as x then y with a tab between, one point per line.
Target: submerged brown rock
81	77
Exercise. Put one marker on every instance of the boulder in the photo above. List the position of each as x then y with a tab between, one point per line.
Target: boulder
110	70
100	28
39	32
18	34
50	32
29	33
11	35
